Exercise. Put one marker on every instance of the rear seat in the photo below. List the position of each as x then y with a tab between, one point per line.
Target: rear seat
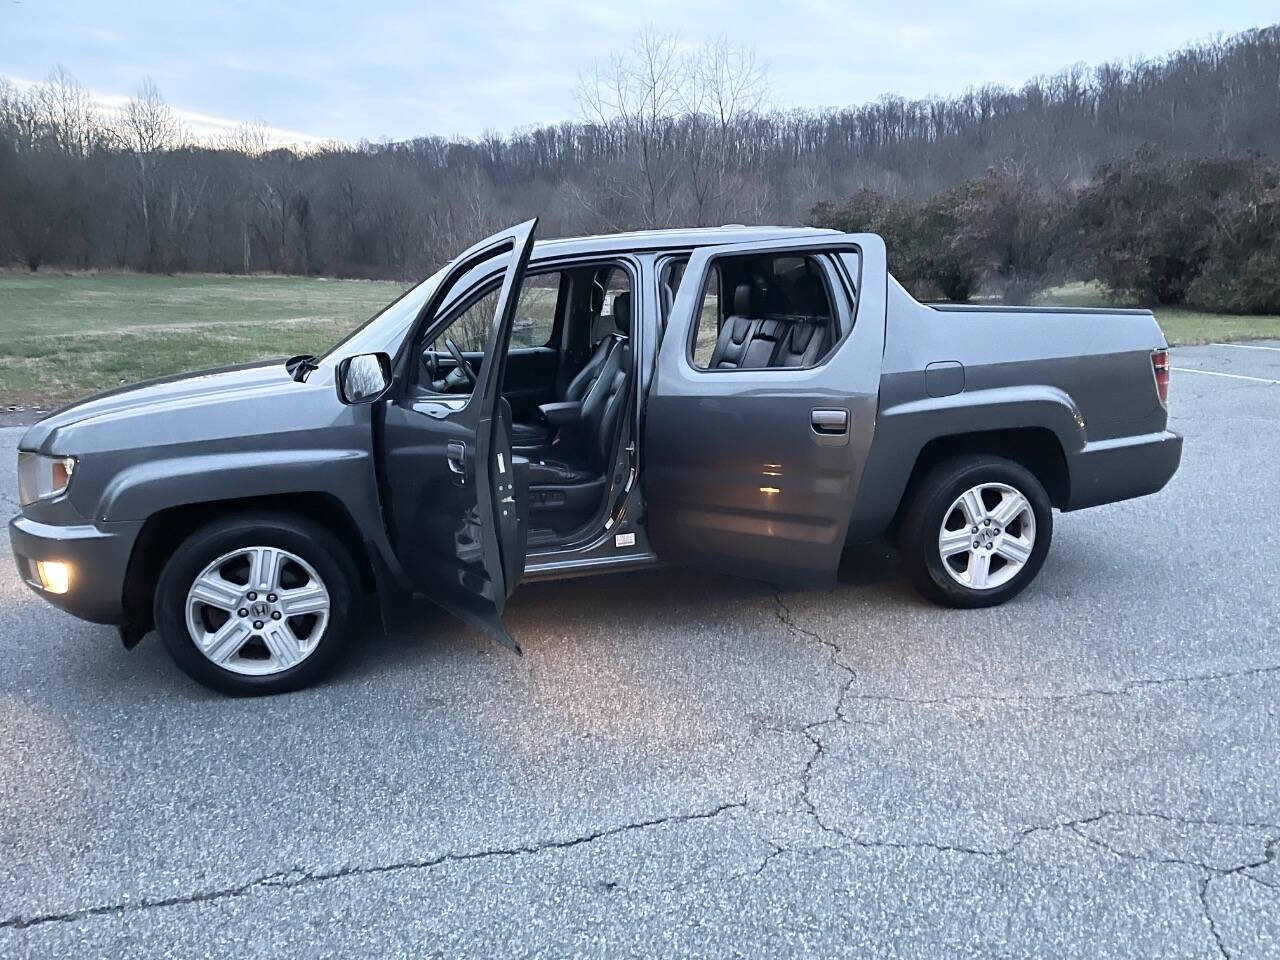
737	346
802	343
749	341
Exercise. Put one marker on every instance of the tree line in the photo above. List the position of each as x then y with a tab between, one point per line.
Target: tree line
1153	229
1150	175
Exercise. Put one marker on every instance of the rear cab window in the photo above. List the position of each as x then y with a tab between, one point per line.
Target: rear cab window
763	311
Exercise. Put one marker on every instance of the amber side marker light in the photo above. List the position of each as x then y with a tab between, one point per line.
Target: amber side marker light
55	576
1160	367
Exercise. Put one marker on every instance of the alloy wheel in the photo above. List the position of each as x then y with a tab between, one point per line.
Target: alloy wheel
257	610
987	536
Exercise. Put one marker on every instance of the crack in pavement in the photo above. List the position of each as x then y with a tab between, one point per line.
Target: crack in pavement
299	877
995	853
1208	873
809	730
833	649
1205	880
1268	854
1129	686
813	733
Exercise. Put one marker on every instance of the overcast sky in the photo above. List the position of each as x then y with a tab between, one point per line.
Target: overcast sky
317	69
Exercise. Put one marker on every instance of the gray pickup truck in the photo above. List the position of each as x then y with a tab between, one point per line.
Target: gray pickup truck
744	400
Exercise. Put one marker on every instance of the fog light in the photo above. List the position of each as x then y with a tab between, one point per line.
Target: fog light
55	576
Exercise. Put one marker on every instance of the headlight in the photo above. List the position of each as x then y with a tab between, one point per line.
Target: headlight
40	477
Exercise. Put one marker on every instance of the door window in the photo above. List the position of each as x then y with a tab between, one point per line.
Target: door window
469	330
710	320
668	283
536	312
764	311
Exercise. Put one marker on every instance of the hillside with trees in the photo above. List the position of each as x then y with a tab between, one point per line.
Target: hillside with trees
1158	178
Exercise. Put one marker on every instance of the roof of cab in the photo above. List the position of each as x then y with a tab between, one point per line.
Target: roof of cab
678	239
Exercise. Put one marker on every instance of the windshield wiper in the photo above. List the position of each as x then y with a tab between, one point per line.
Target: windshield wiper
300	367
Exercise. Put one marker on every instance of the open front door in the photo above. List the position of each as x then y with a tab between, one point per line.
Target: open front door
456	505
761	409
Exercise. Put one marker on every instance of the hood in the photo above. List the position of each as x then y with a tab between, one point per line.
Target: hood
164	395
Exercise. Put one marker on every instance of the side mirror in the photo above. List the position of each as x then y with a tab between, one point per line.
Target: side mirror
364	378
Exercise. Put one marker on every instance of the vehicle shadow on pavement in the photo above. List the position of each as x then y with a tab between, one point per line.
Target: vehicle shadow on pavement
586	612
595	610
869	565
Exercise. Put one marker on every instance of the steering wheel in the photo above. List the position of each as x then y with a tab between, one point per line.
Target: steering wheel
463	365
432	362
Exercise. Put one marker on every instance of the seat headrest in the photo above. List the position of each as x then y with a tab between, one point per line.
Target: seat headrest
622	313
744	300
810	297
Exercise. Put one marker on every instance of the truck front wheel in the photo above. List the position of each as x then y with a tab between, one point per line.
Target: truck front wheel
976	531
257	603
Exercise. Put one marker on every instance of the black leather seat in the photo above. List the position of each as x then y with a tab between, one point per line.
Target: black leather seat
750	340
584	449
807	336
531	435
742	342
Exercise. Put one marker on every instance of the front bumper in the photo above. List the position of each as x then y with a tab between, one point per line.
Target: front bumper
98	555
1109	470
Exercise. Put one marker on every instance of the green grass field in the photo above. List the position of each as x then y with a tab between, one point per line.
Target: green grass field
1180	325
63	336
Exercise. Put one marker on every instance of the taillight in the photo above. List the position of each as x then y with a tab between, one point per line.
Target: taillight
1160	367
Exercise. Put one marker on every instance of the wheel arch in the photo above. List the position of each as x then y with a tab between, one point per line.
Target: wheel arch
1038	449
894	470
165	529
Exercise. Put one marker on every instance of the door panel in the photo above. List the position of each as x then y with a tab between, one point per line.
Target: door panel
510	499
754	472
446	463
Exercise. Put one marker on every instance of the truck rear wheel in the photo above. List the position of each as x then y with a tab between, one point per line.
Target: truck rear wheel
257	603
976	531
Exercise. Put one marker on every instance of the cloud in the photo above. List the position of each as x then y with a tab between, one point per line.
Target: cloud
199	127
402	68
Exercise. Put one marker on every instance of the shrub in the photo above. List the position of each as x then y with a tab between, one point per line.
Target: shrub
920	239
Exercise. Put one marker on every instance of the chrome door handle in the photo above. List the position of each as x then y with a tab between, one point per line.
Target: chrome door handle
456	454
829	423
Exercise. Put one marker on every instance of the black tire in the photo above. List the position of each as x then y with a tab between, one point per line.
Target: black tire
928	508
308	541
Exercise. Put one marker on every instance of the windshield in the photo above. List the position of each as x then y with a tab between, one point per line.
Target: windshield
385	329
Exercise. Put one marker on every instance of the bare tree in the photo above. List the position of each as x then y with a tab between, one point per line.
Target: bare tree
251	139
65	109
148	125
637	95
146	129
725	86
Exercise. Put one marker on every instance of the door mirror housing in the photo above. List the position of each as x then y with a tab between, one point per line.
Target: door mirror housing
364	378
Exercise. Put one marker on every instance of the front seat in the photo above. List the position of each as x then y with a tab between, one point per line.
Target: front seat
589	443
532	435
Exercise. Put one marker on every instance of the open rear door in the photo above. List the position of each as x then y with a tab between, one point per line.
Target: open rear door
452	490
753	471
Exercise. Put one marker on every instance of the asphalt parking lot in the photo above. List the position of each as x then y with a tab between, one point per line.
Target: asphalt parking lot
683	764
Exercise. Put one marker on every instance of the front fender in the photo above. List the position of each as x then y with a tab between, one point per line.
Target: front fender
142	489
